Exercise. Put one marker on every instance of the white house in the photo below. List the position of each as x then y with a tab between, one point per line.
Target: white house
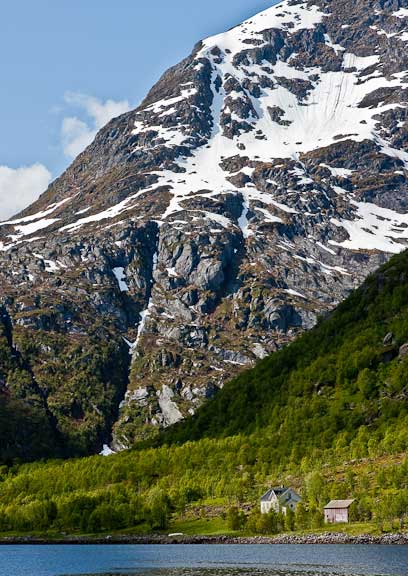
279	499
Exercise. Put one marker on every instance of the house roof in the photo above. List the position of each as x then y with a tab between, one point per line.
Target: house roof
339	504
279	491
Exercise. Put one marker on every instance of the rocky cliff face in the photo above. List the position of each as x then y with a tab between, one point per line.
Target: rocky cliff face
260	181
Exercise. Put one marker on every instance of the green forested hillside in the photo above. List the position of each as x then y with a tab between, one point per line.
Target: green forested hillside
57	393
25	426
344	378
327	415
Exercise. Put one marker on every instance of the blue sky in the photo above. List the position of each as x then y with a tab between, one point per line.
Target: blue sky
69	65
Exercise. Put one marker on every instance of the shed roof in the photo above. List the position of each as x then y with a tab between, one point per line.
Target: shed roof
336	504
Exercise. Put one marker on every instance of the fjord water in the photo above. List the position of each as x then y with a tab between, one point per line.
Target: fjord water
203	560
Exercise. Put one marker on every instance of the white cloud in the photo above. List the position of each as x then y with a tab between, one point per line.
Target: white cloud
20	187
78	134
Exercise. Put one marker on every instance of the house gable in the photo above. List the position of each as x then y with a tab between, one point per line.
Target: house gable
278	499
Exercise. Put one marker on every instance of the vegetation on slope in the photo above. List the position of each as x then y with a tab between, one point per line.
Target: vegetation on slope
25	429
153	489
340	380
58	393
327	415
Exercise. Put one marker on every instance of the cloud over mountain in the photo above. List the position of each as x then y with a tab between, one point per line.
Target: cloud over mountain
20	187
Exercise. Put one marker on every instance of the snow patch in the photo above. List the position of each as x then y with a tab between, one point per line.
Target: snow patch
336	47
39	215
120	276
106	451
359	62
338	172
243	221
111	212
294	293
157	107
29	229
374	228
401	13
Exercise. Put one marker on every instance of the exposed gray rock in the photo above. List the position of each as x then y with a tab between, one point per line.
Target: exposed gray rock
388	339
403	351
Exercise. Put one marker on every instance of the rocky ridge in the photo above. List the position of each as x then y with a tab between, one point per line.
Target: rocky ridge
259	182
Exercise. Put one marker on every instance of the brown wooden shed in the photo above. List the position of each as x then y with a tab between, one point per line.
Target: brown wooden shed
337	511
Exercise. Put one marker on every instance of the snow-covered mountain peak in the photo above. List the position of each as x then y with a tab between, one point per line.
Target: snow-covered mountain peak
261	179
286	16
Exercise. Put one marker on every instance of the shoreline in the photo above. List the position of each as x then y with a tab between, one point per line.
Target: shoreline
311	539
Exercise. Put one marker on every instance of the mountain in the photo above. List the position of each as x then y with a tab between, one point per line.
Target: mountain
261	180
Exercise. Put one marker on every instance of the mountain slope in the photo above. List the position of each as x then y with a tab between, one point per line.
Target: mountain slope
344	378
260	181
327	415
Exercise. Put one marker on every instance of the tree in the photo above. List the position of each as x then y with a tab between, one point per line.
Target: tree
367	382
280	522
268	523
102	518
301	517
262	523
316	518
316	489
385	511
362	510
159	510
401	507
290	520
253	520
235	519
